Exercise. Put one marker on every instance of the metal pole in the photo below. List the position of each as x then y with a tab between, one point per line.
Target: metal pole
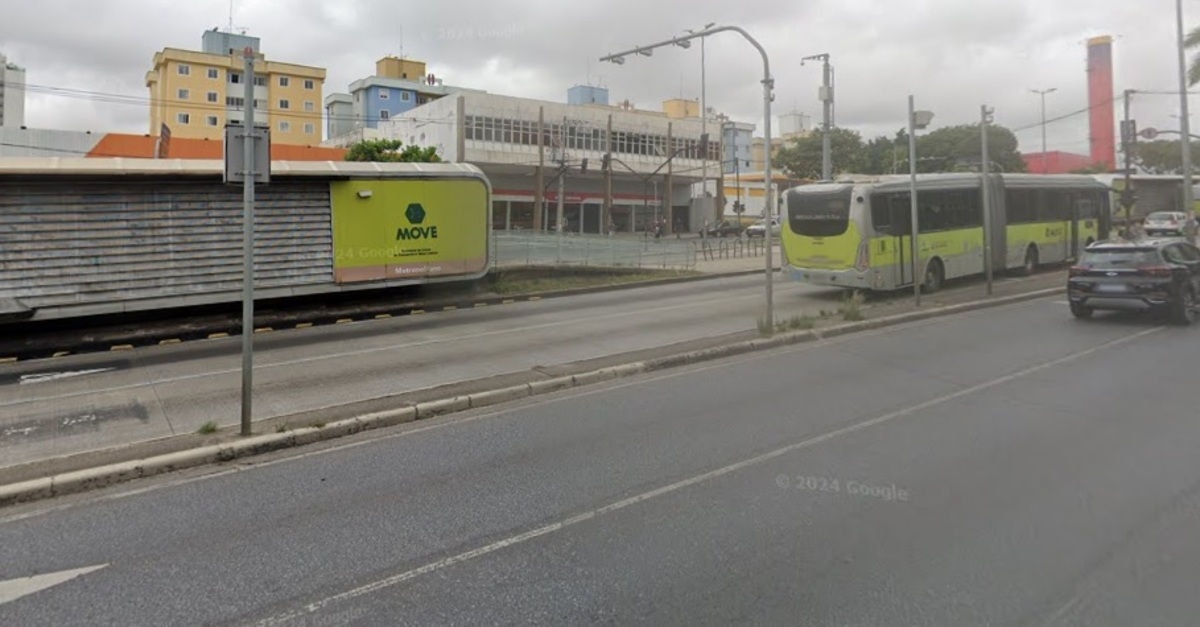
768	84
703	124
985	116
539	189
608	193
668	219
912	173
1185	140
1125	140
248	155
1045	159
562	174
827	140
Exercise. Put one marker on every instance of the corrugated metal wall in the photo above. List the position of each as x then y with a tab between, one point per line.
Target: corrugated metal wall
78	242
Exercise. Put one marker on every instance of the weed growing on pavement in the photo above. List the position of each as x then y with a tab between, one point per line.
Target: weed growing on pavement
281	427
851	308
795	323
207	428
764	329
318	425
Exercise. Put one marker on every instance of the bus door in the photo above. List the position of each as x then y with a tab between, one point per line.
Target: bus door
900	214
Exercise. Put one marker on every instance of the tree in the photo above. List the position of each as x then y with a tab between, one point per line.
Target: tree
959	148
801	157
1162	156
883	155
1191	42
391	150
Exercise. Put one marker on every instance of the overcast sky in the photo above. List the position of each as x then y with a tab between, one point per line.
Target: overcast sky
953	55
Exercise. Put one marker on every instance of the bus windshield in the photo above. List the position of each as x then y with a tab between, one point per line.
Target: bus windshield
819	213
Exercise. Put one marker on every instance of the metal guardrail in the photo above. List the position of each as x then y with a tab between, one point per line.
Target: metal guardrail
516	248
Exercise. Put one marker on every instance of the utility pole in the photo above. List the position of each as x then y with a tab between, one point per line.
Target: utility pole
985	118
1184	123
539	187
562	174
1126	150
826	97
608	197
1042	93
668	218
248	248
720	212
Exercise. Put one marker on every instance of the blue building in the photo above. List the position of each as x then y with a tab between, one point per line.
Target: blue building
399	85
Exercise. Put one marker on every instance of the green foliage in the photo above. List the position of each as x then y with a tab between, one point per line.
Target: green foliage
947	149
1191	42
851	308
1162	156
801	157
207	428
391	150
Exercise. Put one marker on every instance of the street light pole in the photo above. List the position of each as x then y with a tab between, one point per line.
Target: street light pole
768	89
985	118
1042	93
1184	122
916	120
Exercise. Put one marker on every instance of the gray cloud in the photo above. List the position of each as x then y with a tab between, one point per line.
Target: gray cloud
953	55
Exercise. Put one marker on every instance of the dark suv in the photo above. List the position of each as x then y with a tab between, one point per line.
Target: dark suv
1152	274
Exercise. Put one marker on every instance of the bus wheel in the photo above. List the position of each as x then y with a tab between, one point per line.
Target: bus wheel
934	275
1031	261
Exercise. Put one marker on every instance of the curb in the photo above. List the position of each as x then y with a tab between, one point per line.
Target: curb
111	474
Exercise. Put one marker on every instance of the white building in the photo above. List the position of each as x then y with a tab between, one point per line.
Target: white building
12	94
654	159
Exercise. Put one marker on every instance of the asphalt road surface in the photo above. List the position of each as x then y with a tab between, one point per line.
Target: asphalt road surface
1006	466
86	402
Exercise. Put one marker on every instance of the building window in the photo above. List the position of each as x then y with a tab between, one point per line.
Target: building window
384	94
184	69
285	104
214	73
404	96
235	77
285	127
261	81
309	106
183	118
284	81
235	101
310	83
183	94
212	96
309	129
384	114
212	120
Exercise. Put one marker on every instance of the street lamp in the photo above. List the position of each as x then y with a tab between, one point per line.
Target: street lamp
1042	93
917	120
768	84
685	44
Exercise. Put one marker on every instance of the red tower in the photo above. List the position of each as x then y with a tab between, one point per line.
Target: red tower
1101	120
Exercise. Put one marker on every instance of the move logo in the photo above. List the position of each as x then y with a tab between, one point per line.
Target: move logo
415	214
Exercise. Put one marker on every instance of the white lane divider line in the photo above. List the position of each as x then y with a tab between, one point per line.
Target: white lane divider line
43	377
13	589
521	538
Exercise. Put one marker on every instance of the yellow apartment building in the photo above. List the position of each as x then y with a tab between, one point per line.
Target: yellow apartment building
194	93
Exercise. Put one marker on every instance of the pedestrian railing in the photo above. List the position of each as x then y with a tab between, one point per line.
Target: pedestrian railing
514	249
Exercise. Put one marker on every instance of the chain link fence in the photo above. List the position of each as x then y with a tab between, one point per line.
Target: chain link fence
515	249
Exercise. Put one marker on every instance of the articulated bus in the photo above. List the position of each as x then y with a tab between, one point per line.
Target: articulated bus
858	234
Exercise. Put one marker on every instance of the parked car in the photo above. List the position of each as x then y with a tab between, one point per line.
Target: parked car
758	229
1160	275
1167	223
722	228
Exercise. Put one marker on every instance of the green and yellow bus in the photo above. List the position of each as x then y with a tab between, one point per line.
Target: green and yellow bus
857	234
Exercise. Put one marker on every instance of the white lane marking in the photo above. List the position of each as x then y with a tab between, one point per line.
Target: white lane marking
366	351
571	521
42	377
13	589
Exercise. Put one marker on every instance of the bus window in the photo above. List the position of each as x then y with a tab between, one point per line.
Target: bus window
819	213
881	214
1018	203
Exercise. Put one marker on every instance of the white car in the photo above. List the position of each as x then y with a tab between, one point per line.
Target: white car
758	228
1167	223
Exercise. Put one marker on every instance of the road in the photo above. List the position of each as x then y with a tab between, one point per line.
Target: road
86	402
1006	466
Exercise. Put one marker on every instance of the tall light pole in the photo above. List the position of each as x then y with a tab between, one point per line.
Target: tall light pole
1042	93
1184	122
703	105
985	118
768	84
916	120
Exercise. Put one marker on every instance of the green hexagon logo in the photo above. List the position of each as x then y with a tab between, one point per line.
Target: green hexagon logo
415	213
